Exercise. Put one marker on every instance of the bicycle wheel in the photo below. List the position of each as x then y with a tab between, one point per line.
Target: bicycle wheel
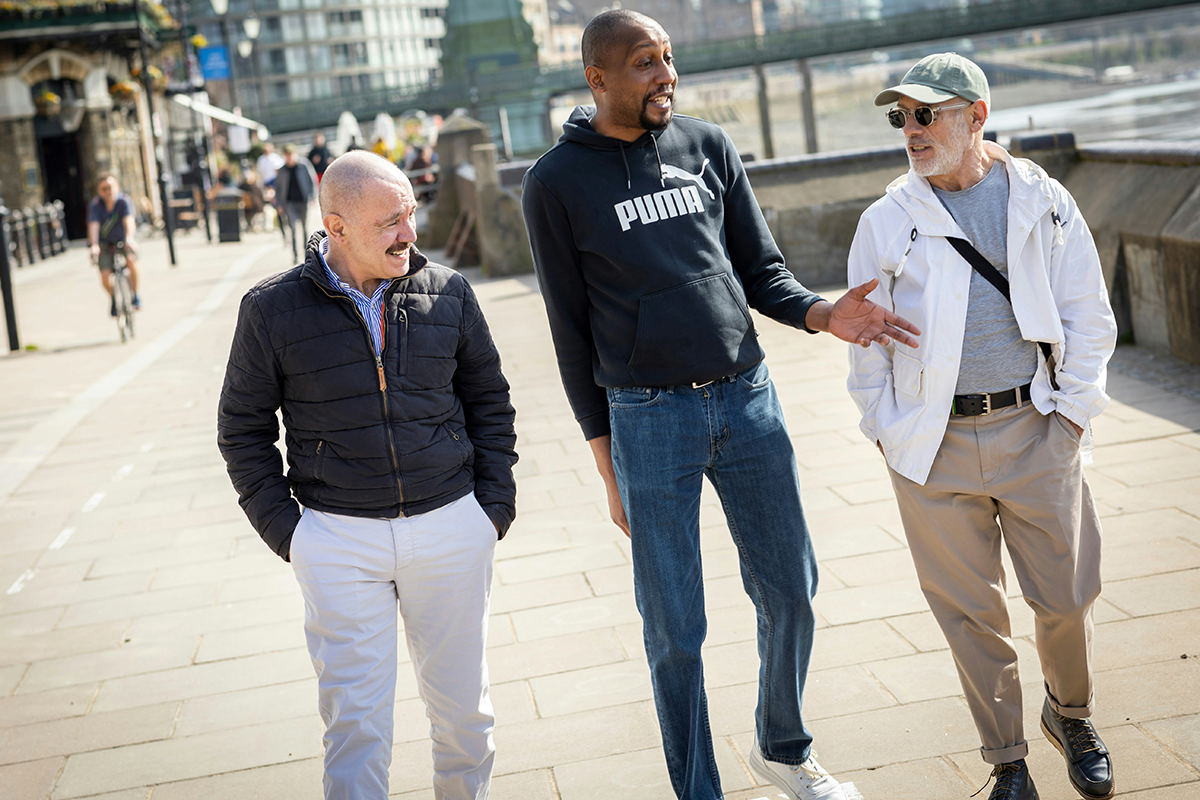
123	297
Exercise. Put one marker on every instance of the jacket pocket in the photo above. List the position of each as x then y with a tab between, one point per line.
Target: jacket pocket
319	461
689	330
907	374
401	342
460	442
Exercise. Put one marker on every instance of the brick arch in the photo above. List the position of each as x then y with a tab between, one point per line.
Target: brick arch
53	65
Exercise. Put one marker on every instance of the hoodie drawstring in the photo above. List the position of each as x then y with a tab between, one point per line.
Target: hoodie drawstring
661	181
625	161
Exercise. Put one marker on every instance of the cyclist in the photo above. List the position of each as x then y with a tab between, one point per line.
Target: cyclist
111	223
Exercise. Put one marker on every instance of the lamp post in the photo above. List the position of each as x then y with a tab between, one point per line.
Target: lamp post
220	8
252	25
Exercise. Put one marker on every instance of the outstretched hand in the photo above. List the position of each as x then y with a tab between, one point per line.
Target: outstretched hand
855	319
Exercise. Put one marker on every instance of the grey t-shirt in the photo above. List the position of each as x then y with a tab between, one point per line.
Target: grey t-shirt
994	356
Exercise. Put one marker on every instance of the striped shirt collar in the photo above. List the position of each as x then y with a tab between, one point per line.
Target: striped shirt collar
371	307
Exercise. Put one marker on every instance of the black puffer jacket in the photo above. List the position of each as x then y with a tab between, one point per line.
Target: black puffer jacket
425	424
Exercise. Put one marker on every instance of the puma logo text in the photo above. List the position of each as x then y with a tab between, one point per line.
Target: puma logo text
660	205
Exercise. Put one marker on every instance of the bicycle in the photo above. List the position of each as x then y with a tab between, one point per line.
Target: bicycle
122	296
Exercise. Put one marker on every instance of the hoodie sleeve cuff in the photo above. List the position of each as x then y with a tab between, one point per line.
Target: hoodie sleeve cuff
595	425
801	313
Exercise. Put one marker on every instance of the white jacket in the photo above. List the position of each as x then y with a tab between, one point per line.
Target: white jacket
1058	296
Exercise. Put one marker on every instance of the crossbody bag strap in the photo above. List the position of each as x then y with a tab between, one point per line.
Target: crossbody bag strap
989	273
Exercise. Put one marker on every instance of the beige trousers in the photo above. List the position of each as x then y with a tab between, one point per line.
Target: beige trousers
1016	476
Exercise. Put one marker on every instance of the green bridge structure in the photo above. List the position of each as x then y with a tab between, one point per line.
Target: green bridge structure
524	92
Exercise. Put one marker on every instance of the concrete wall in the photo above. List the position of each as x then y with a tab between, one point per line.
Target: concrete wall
1141	201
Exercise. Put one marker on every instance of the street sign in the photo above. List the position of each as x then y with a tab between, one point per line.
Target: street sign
214	63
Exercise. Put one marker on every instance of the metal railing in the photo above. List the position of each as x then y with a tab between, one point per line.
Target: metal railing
813	41
26	237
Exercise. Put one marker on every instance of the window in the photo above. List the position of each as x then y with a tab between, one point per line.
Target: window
431	44
297	61
293	28
312	3
346	55
316	26
276	63
322	87
345	23
433	13
374	56
369	24
300	89
279	91
364	83
272	30
346	85
288	5
318	57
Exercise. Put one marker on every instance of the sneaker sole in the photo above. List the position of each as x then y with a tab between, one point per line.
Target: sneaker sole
1062	751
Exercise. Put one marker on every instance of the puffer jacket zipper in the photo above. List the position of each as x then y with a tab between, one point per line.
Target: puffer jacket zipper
387	414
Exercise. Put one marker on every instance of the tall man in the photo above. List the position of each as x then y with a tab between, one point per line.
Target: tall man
649	246
980	431
400	449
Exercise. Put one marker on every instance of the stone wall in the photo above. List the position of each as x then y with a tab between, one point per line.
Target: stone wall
20	169
1140	201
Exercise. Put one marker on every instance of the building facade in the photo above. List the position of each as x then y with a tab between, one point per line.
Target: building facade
310	50
70	111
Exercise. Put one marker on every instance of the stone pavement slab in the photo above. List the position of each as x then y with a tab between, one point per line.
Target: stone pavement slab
151	646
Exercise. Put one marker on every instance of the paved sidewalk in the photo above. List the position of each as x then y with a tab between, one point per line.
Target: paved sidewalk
151	645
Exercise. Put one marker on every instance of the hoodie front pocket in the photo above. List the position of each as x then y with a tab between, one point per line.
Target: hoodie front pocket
907	374
687	330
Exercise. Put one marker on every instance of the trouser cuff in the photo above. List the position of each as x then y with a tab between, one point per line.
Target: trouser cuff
1070	712
1014	753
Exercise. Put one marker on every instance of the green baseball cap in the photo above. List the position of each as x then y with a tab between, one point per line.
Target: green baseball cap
937	78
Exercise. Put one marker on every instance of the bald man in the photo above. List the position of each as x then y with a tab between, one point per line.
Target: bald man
400	439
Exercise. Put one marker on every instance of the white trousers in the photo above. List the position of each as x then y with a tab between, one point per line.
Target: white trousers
438	568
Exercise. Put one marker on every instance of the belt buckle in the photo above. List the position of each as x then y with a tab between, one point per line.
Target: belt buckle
975	405
702	385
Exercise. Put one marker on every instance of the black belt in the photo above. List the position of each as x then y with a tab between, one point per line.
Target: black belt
977	405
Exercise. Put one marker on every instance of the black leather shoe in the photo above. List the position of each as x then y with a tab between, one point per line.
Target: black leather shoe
1089	766
1013	782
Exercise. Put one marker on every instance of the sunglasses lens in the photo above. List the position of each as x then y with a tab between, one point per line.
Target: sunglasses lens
896	118
923	116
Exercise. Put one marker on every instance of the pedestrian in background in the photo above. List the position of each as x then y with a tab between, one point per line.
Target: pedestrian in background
319	156
295	188
981	425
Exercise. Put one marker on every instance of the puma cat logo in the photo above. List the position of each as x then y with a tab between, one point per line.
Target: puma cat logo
669	171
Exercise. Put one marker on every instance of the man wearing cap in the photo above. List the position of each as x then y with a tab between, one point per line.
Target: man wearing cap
981	424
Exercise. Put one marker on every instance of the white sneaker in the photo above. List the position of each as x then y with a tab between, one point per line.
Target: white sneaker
807	781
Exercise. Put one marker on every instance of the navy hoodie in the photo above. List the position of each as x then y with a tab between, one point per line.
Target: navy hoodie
649	255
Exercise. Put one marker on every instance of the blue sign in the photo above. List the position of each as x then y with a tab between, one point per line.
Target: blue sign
214	63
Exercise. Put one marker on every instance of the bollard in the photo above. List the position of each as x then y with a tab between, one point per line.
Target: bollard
30	222
60	226
44	249
15	225
6	289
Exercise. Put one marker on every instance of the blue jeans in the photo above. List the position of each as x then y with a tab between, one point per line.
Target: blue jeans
663	441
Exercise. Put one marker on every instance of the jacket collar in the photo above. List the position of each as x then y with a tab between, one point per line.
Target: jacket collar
315	271
1029	195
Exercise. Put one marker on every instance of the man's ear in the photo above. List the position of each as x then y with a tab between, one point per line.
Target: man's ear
335	226
595	78
979	114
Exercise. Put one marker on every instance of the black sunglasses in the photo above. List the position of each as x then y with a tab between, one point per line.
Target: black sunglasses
924	115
